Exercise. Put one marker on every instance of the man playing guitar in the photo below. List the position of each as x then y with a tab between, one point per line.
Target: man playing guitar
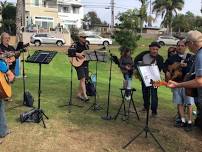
5	47
82	71
5	61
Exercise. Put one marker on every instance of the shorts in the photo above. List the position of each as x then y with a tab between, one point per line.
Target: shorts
179	97
82	72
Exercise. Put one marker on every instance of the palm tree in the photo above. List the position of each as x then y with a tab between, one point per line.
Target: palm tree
143	13
19	19
167	9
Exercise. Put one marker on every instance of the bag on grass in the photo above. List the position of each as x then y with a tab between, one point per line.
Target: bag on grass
28	99
90	85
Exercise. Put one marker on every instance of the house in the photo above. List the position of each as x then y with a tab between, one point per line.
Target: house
48	14
151	30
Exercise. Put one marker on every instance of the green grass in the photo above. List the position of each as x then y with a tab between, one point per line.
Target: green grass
55	92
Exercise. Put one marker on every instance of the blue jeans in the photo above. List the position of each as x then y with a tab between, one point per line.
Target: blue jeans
3	123
150	95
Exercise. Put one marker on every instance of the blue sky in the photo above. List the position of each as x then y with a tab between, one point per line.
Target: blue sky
122	5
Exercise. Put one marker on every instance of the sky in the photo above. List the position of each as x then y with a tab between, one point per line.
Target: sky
100	7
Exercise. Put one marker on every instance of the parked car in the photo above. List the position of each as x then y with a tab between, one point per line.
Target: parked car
167	40
95	39
39	39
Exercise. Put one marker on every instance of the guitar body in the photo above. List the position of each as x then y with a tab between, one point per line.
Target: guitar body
5	87
76	61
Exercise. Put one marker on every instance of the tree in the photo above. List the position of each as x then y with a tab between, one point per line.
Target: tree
8	11
143	13
91	20
167	9
126	33
19	19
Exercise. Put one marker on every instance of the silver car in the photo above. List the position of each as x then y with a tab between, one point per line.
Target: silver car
39	39
167	40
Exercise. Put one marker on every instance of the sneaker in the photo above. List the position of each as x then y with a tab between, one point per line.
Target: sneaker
154	114
178	123
85	99
127	98
188	127
183	124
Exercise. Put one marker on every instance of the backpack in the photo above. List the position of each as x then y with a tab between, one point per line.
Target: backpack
28	99
90	85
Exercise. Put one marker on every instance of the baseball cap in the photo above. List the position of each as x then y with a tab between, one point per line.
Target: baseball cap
82	34
155	44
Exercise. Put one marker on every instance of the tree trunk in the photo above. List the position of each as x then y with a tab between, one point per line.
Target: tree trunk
19	20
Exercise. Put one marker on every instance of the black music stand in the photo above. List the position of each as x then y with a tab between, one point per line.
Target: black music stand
41	57
148	74
97	56
115	59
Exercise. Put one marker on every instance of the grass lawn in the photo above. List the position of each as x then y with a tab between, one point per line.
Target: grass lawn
87	132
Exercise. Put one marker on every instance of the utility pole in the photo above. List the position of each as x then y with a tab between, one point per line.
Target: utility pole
112	14
201	6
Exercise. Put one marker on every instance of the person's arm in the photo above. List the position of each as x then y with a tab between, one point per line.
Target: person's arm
4	69
195	83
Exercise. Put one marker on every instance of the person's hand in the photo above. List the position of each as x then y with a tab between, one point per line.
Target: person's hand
80	55
128	67
10	76
172	84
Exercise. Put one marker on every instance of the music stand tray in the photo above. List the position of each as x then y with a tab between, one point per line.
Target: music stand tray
41	57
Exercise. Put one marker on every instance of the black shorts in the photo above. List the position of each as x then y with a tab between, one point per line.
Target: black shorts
82	72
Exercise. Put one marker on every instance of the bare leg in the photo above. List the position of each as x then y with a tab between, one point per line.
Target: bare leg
83	87
190	113
181	110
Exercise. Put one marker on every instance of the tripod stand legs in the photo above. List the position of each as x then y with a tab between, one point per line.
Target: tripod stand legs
146	130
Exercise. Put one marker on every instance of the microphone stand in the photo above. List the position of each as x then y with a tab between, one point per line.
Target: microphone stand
109	117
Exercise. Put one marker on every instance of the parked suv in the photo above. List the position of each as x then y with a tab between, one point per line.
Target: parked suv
39	39
167	40
95	39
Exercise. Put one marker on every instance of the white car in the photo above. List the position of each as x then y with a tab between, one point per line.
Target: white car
167	40
40	38
95	39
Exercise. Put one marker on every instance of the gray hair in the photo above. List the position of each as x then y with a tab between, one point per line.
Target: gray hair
2	35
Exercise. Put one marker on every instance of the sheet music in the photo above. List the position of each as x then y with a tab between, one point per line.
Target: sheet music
101	56
148	73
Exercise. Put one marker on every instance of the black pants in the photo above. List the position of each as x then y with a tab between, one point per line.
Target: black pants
150	95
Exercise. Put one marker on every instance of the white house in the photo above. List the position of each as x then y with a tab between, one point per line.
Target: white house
52	13
70	12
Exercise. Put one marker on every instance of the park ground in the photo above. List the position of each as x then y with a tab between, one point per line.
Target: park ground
81	131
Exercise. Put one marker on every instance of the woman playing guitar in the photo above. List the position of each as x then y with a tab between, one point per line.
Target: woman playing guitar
126	65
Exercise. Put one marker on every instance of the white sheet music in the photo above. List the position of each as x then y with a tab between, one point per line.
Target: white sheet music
148	73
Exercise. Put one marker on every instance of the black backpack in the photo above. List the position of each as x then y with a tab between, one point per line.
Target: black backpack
28	99
90	86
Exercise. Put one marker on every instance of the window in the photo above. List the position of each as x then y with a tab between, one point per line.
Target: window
59	8
75	10
66	9
36	2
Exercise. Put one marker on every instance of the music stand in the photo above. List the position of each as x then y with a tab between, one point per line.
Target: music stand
96	56
115	59
41	57
148	74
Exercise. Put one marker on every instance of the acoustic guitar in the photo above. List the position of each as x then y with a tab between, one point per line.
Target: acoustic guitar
5	87
86	55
